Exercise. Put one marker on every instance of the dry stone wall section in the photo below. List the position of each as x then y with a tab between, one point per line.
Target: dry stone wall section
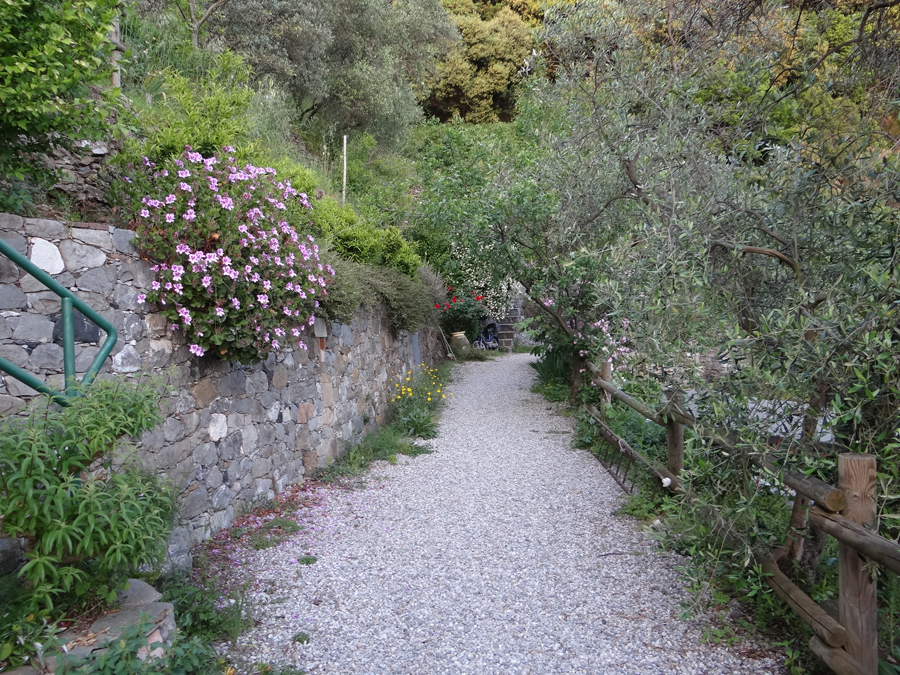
232	434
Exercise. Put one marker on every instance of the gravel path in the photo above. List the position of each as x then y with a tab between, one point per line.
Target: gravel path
498	553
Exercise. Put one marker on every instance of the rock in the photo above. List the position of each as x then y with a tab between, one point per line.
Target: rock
19	389
9	405
218	427
33	328
162	614
9	271
14	239
205	392
85	329
159	354
8	221
206	454
280	377
194	504
78	256
122	241
98	280
98	238
133	328
48	229
222	497
127	361
84	357
11	297
46	302
31	285
11	555
138	593
47	357
233	384
46	256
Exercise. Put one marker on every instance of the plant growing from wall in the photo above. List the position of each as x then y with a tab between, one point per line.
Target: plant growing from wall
85	518
234	274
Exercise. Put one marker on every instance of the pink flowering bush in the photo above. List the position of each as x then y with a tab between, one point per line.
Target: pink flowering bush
233	273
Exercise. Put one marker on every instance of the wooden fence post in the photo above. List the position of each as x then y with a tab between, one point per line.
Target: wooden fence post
116	54
606	376
675	436
858	601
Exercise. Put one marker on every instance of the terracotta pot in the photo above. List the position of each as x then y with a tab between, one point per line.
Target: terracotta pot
459	340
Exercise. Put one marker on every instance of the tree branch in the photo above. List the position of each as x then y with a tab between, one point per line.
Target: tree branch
759	251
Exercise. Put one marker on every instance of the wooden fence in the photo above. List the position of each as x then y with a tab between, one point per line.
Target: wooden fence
849	646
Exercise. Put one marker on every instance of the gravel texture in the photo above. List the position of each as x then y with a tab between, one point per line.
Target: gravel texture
498	553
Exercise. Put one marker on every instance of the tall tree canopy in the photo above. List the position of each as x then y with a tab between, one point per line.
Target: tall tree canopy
358	64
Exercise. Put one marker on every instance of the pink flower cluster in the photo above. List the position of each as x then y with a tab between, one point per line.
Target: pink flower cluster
233	273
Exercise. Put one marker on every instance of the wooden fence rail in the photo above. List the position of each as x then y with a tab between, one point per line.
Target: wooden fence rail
848	646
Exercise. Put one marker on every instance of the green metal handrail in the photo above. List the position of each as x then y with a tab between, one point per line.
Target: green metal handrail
68	331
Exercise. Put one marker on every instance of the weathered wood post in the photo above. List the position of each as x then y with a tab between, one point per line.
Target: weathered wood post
675	436
858	601
116	54
606	376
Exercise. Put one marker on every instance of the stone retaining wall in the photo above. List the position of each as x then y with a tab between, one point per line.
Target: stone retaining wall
232	434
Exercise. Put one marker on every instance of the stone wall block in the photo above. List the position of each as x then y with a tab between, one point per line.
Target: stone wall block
47	229
78	256
206	454
97	238
33	328
46	256
98	280
122	241
205	392
218	427
47	357
11	297
127	361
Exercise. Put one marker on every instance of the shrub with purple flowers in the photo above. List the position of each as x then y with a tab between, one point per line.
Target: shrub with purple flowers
233	272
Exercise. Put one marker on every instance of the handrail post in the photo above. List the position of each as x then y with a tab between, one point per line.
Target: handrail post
857	592
68	336
675	436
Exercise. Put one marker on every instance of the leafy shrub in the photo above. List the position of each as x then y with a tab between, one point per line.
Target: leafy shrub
50	52
419	390
364	243
207	113
196	608
553	367
83	519
234	274
21	632
463	315
182	658
409	303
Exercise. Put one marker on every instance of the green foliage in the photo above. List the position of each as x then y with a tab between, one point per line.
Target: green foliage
24	637
409	302
418	422
184	657
85	515
197	608
273	532
476	80
553	367
463	315
51	53
233	273
206	113
349	65
368	244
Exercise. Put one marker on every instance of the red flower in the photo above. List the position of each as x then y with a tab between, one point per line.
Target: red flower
437	305
450	289
454	298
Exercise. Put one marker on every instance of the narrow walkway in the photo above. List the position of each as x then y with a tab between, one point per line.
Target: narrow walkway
498	553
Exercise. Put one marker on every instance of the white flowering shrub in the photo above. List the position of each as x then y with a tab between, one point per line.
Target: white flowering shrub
234	274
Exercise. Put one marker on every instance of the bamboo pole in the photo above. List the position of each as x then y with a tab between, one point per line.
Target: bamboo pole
344	189
857	593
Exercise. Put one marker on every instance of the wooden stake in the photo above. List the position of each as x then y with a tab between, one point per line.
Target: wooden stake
606	376
858	601
675	436
344	190
116	54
